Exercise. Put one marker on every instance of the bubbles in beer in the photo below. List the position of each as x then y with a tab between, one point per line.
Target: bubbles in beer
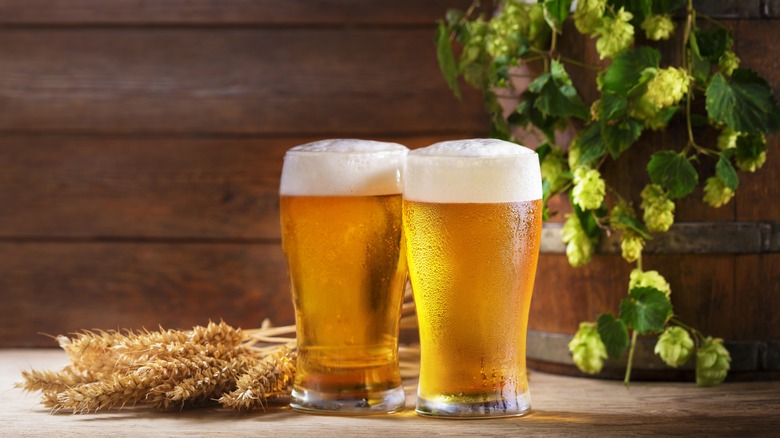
472	266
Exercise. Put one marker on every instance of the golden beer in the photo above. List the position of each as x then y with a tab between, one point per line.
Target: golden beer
343	241
473	231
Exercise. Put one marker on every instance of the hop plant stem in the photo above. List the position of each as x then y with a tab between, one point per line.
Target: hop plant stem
688	66
631	349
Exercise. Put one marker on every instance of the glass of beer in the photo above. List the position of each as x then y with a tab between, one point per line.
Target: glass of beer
342	235
472	214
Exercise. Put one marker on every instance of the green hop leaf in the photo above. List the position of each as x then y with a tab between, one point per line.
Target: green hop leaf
666	6
555	12
673	172
632	224
725	170
613	334
587	148
587	349
626	70
557	96
612	106
646	310
674	346
713	44
745	103
620	136
651	279
446	59
716	193
543	150
700	65
712	362
623	218
527	113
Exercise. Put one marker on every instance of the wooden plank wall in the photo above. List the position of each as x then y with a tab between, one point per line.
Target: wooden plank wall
141	145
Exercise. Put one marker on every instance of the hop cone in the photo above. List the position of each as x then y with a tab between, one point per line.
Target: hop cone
675	346
587	349
716	193
712	362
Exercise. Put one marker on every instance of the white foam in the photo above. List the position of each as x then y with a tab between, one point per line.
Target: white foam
343	167
473	171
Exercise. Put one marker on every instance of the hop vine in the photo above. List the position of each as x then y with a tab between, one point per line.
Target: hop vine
708	90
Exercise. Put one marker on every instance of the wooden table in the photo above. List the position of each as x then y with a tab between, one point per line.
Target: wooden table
562	406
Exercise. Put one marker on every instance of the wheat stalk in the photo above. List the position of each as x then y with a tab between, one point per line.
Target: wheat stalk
239	369
269	377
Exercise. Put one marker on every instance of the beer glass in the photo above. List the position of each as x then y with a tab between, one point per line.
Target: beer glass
472	215
342	236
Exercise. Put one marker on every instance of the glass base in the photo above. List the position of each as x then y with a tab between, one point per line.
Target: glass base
443	408
313	402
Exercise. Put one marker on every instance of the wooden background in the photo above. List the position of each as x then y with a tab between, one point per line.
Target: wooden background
141	145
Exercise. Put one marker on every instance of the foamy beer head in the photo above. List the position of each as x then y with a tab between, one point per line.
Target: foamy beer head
473	171
343	167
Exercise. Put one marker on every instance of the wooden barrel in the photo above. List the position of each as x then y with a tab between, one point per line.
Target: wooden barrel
723	264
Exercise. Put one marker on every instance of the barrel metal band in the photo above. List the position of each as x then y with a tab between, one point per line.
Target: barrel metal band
738	9
745	355
687	238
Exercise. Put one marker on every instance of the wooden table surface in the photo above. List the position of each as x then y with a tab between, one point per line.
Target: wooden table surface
562	406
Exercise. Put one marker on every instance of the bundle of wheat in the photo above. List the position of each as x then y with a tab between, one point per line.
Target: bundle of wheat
239	369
